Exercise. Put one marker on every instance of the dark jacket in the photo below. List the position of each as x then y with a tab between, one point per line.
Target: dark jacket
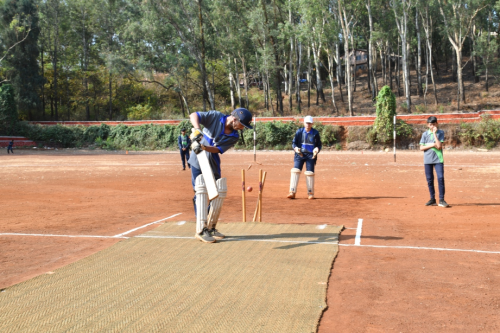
187	143
307	141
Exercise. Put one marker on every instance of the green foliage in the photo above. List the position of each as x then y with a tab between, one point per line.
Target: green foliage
420	109
8	110
329	134
139	112
486	132
386	110
383	128
21	62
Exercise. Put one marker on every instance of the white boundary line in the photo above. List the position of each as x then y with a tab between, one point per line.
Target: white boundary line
357	241
52	235
261	240
421	248
128	232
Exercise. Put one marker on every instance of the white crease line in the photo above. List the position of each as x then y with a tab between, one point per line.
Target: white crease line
422	248
67	236
358	232
240	239
128	232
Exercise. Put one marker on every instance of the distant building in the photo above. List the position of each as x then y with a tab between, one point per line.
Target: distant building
358	59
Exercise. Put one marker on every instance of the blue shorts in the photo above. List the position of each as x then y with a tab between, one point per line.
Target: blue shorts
298	161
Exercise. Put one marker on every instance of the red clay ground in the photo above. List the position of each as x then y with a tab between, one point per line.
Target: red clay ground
71	192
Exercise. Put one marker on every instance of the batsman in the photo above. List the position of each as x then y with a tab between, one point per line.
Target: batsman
307	145
219	134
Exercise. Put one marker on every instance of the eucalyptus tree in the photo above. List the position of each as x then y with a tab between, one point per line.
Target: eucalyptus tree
315	15
458	17
402	9
428	12
272	19
187	19
487	47
348	20
21	62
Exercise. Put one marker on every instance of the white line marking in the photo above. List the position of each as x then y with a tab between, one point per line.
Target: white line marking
128	232
67	236
422	248
240	239
358	232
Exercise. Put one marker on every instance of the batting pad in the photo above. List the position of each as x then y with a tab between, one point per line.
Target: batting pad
261	278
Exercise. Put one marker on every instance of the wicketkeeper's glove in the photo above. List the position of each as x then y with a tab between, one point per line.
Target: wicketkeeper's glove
196	135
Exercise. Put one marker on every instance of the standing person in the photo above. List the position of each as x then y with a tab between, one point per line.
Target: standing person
9	147
220	133
306	144
184	142
431	144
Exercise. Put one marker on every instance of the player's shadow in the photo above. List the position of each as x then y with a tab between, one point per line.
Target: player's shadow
477	204
320	237
360	198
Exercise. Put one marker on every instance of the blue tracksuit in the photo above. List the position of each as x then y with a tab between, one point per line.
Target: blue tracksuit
306	141
184	142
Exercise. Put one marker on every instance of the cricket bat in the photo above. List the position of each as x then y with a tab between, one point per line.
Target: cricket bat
206	170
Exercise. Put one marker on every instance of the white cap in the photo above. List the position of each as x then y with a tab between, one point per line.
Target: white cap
308	119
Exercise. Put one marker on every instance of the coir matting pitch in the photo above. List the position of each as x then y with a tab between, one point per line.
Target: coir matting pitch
262	278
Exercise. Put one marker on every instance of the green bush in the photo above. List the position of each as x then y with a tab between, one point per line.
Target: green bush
486	132
8	110
386	110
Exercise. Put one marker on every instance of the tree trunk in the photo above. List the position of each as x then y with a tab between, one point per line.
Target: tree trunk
110	96
339	71
330	74
290	79
398	76
43	85
54	59
297	82
308	76
453	67
419	55
319	84
245	79
389	62
238	86
458	53
231	84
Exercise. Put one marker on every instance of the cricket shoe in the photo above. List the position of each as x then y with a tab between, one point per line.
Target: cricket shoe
205	236
310	197
431	202
291	195
443	203
216	234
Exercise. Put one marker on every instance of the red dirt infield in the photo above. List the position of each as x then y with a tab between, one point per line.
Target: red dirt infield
435	287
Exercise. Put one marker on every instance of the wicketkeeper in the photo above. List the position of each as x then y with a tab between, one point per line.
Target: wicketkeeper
307	145
220	133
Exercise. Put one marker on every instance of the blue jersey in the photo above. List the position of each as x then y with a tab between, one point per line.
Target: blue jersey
183	141
307	141
214	123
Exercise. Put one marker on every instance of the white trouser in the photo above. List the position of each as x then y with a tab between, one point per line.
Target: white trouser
294	180
216	204
310	182
201	204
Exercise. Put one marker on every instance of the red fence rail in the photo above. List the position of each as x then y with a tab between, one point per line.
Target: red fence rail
445	118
